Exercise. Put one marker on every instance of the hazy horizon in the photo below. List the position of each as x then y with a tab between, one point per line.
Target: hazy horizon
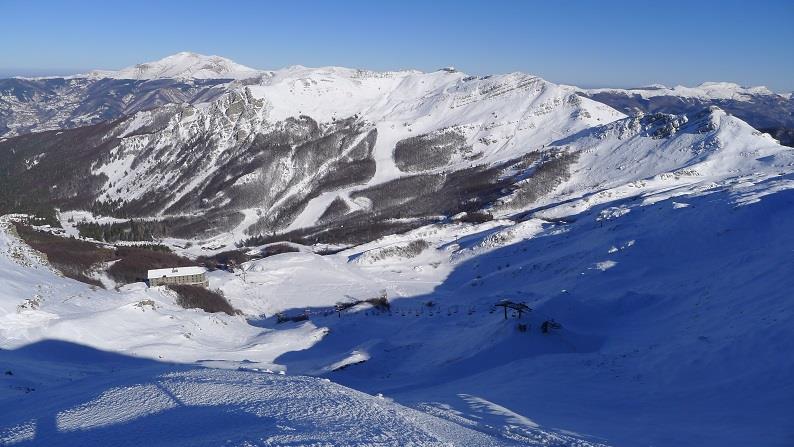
58	72
605	44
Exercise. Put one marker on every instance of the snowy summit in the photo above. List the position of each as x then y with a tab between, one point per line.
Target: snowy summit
184	65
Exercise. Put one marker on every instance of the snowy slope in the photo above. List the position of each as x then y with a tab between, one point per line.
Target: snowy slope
500	116
112	399
669	306
675	317
222	165
64	391
37	303
40	104
36	105
660	242
668	155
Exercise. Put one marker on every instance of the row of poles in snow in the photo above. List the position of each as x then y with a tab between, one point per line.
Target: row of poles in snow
511	310
429	309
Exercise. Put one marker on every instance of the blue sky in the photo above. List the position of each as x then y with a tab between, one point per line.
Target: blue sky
588	43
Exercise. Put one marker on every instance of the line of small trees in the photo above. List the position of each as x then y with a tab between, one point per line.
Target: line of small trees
133	230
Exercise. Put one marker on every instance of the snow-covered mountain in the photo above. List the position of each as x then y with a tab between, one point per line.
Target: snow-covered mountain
309	146
669	152
184	65
39	104
36	104
262	159
311	151
760	107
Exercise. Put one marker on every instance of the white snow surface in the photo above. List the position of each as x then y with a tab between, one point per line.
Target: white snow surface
125	401
663	309
64	391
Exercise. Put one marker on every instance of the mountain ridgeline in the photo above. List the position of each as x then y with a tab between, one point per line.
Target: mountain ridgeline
759	107
332	155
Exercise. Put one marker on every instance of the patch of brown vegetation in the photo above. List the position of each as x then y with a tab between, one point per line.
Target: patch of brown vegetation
226	258
197	297
134	262
72	257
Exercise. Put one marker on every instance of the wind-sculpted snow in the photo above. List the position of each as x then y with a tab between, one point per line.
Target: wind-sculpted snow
150	404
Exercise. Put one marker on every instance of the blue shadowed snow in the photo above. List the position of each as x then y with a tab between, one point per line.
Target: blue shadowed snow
110	399
677	322
676	326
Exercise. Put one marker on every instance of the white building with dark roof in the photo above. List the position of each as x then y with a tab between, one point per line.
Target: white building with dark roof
191	276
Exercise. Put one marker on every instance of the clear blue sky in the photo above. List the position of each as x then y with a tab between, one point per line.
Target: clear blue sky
588	43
